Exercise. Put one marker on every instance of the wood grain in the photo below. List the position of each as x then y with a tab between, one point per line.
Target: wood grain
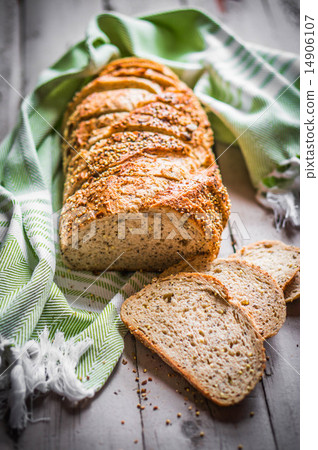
265	22
10	64
224	428
49	29
140	7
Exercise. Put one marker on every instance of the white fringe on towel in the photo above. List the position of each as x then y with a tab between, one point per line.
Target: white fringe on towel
39	367
284	198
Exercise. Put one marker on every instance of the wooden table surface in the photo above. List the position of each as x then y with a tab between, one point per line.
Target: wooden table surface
33	33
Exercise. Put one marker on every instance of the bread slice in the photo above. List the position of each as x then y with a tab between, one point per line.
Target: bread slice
128	147
146	73
167	217
95	113
281	261
136	64
189	321
251	288
86	133
292	289
107	83
105	102
160	117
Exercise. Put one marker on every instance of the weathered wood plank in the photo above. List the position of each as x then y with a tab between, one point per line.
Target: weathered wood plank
225	428
10	64
264	22
284	18
140	7
281	379
50	28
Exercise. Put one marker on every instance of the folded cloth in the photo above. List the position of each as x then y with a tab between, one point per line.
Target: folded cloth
60	329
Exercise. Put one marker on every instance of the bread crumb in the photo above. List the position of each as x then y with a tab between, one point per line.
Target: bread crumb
252	413
202	434
122	422
179	415
155	408
168	422
197	413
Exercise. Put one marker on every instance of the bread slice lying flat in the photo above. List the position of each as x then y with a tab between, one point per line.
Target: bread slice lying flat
189	321
292	289
281	261
250	287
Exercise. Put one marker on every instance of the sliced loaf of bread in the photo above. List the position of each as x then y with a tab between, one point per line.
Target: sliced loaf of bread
250	287
141	180
190	321
281	261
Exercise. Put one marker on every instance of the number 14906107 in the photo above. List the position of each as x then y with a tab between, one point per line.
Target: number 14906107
309	44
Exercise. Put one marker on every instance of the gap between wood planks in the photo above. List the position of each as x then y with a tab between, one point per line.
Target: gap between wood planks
269	413
139	396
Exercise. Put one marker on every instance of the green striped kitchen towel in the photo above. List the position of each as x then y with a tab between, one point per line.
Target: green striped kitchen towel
60	329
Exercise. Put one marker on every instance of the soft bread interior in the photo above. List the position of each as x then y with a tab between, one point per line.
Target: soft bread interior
149	240
251	288
192	326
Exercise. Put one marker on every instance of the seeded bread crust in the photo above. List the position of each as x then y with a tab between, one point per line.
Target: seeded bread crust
200	198
281	261
110	153
108	83
138	141
190	322
146	64
251	288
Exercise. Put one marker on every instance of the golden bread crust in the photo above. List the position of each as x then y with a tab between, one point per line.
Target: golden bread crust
138	140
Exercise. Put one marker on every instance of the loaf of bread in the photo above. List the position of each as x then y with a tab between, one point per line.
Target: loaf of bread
141	182
191	322
251	288
281	261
